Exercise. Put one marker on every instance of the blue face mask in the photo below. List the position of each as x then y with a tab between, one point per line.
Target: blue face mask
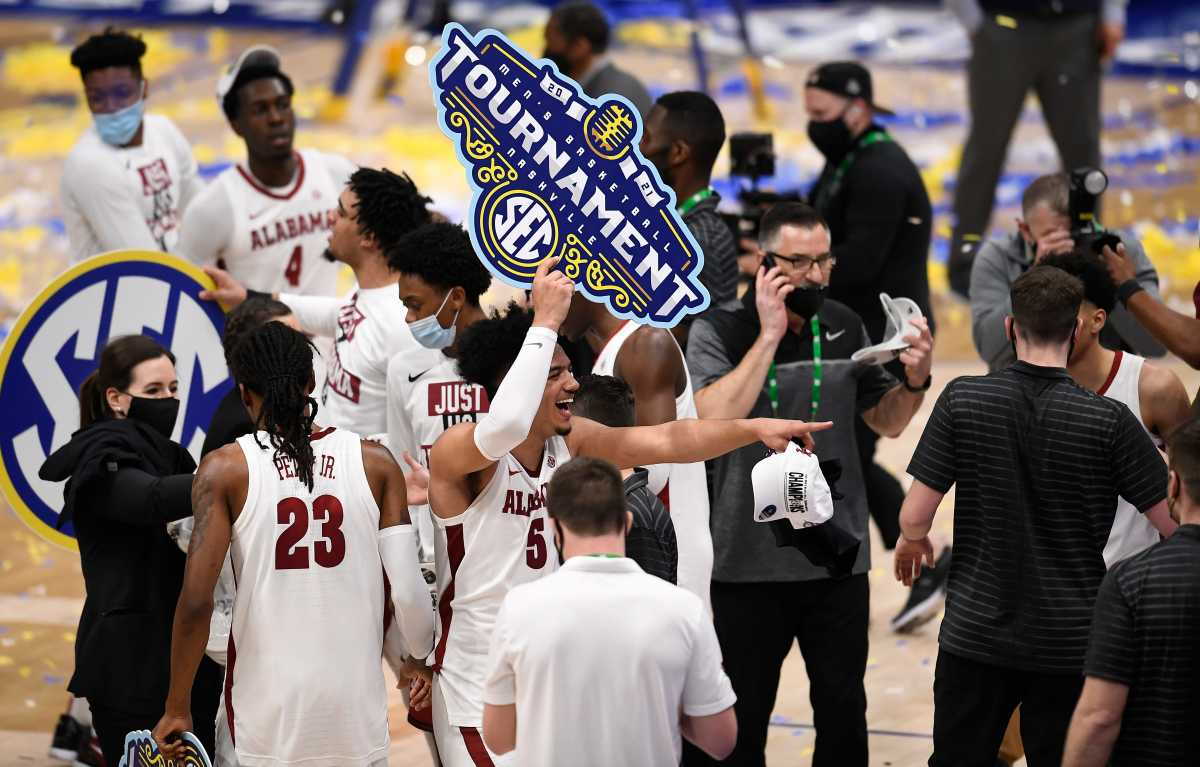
430	333
118	128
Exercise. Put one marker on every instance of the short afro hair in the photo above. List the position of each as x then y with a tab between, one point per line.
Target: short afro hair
389	205
579	18
694	118
441	254
489	347
111	48
1098	288
231	104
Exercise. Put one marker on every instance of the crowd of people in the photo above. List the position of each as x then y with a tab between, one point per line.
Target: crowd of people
569	568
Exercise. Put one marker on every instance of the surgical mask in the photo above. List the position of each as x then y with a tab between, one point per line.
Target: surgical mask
806	301
159	413
118	128
831	137
429	332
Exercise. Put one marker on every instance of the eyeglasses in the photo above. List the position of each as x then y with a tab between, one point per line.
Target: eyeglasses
804	263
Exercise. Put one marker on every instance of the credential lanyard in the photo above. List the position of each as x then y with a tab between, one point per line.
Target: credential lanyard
688	205
815	396
835	182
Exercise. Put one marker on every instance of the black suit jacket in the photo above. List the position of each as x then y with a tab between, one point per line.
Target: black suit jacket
124	483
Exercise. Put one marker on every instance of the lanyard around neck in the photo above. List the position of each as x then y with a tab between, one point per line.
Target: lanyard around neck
815	393
688	205
835	181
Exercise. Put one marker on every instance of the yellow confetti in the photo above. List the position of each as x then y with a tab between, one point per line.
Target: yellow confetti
68	636
24	671
27	635
5	661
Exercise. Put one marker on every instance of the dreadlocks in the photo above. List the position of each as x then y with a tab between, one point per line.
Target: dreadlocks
275	362
389	205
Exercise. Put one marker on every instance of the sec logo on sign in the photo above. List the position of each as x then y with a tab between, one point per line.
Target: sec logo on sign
56	343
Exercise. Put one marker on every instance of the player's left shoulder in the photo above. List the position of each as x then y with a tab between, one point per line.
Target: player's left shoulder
1157	383
336	167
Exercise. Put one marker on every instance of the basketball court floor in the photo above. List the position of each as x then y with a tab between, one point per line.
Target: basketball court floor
1150	145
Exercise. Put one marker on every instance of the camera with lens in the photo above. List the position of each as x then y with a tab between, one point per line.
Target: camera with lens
1086	185
752	156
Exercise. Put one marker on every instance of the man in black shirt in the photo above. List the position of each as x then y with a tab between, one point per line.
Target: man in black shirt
1038	462
650	539
872	196
1141	700
682	137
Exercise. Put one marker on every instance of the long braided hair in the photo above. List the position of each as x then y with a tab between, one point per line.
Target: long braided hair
275	362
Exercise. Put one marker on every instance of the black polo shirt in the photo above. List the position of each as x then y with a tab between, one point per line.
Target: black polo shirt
745	551
1038	463
1146	635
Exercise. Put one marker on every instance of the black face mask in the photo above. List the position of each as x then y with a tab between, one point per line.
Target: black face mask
659	161
831	137
557	536
560	61
157	413
805	302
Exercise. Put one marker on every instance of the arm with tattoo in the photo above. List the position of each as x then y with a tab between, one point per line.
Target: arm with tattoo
221	473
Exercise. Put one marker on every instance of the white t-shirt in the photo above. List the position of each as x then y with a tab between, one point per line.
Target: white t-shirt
367	331
306	685
600	658
130	198
270	239
426	396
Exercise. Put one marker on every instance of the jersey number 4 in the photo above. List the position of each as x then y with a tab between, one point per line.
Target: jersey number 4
292	272
327	552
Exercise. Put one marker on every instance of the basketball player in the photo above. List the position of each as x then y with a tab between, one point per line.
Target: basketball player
266	222
650	361
131	175
487	488
308	514
441	280
1154	395
375	209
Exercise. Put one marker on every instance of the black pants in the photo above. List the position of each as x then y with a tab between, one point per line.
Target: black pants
112	724
1058	60
972	703
756	625
885	495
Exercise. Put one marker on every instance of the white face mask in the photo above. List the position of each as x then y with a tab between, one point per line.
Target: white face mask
429	332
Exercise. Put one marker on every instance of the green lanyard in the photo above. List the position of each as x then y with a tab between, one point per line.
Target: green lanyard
815	398
607	556
835	182
688	205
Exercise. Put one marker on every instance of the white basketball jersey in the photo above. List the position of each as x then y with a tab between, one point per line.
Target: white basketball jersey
305	682
1131	531
502	540
683	487
279	235
426	396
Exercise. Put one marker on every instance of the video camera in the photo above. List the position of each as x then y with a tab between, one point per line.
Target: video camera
752	156
1086	186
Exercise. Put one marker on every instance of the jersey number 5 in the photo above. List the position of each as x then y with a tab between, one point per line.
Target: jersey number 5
292	272
328	552
535	544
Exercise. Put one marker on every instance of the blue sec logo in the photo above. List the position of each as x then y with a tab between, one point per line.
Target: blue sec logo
556	173
56	343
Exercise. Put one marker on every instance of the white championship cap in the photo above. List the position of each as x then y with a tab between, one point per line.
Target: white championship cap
254	56
898	312
790	485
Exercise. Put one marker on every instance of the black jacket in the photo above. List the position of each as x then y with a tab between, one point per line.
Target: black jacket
124	483
881	221
651	538
229	422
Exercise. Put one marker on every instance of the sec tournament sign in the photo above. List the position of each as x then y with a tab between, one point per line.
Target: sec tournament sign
56	343
555	173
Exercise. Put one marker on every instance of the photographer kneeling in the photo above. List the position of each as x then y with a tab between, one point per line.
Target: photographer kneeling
1045	229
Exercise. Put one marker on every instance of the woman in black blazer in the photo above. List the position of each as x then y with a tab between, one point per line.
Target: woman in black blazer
126	480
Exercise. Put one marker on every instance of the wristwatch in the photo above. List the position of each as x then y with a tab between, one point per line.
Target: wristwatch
917	389
1127	290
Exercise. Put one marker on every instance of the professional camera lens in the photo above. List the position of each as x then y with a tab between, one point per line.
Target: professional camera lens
1095	182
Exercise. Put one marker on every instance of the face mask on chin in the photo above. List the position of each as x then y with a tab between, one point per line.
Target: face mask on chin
806	301
429	333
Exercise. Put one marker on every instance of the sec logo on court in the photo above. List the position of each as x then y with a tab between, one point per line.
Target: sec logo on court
56	342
